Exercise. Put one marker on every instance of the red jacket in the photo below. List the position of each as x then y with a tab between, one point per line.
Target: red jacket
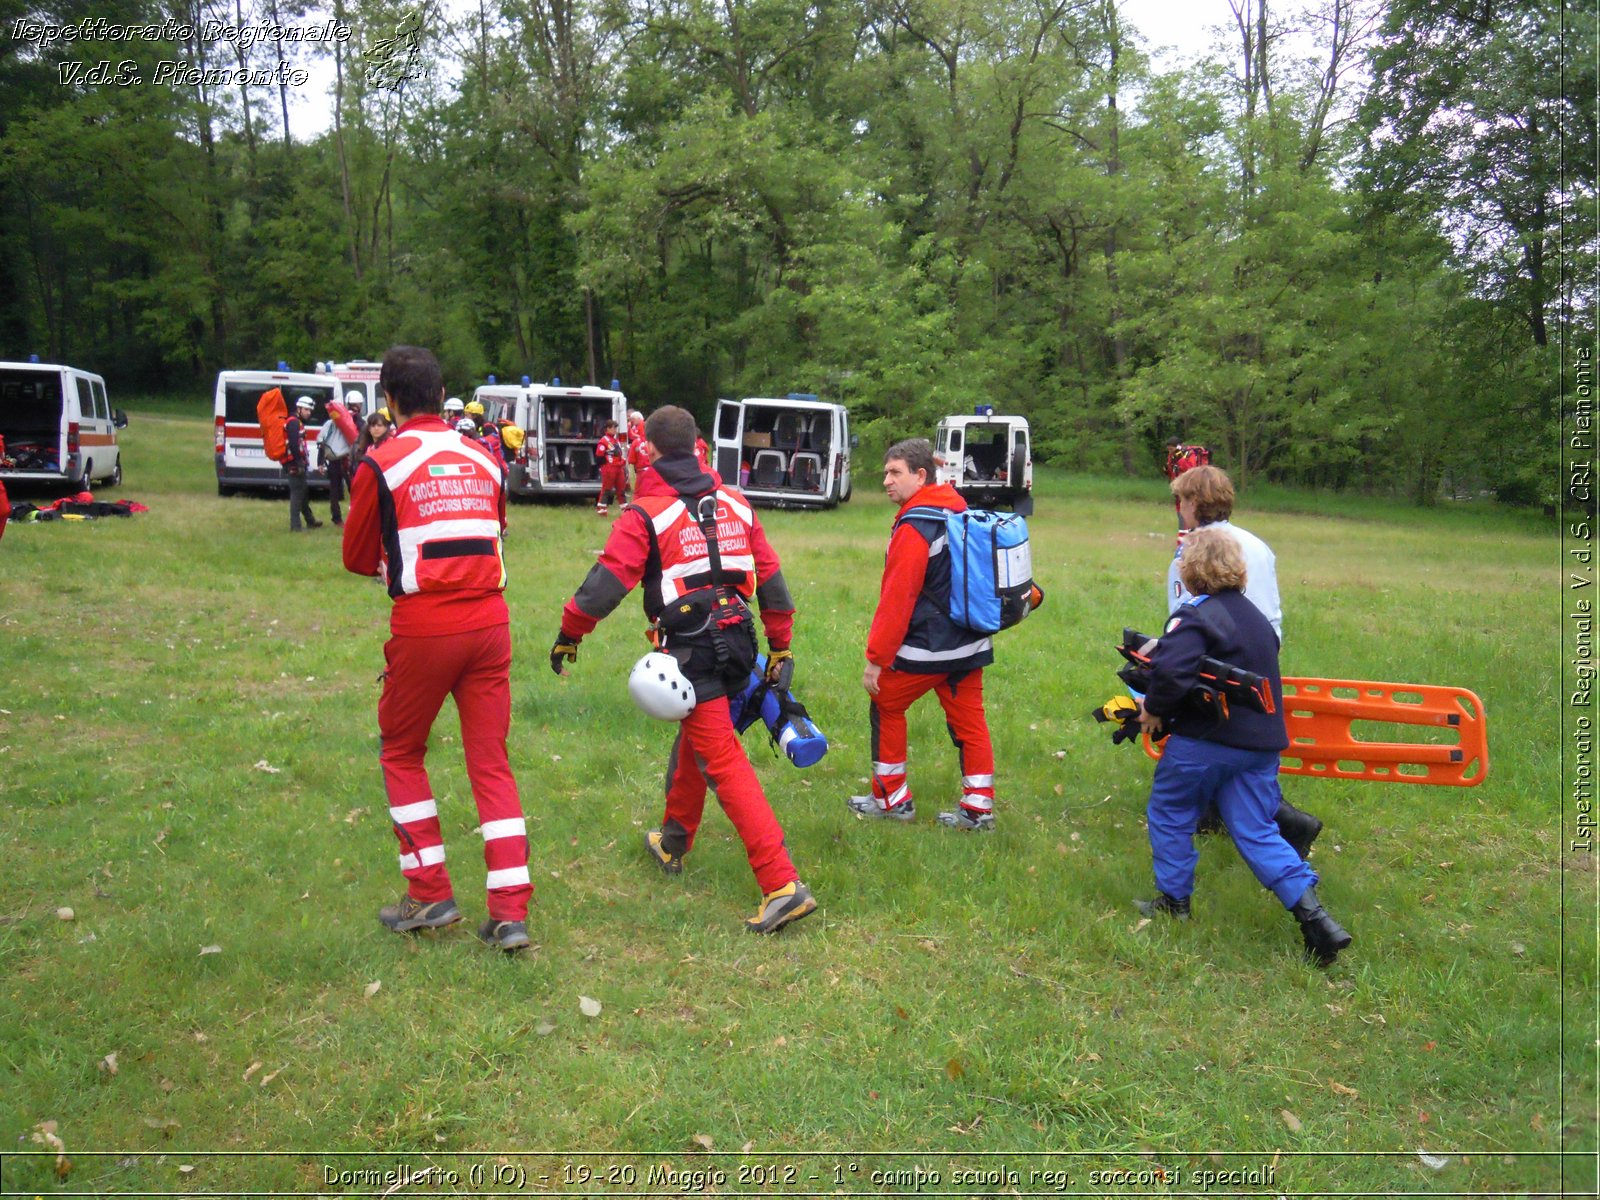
628	558
5	506
428	507
911	631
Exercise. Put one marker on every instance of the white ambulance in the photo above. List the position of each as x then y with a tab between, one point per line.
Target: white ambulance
560	425
58	426
788	453
361	377
241	456
987	458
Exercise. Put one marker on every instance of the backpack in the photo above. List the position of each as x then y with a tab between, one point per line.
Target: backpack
1186	458
991	567
273	415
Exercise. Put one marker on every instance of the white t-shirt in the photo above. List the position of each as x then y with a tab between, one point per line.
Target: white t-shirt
1261	575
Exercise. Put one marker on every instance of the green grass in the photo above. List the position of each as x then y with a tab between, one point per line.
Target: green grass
955	994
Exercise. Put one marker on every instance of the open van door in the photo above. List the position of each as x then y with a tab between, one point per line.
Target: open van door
841	455
728	442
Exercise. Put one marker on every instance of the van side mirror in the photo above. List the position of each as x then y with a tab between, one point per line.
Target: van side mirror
855	441
119	418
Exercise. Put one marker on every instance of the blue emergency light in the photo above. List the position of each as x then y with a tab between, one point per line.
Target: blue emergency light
33	358
983	410
491	379
616	385
802	395
555	381
282	366
526	381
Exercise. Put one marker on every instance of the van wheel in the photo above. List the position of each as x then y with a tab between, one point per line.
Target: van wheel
224	490
86	482
116	473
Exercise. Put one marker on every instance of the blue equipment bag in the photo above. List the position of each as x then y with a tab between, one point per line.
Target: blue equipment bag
991	566
785	717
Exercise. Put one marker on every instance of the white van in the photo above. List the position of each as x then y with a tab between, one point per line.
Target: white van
58	426
561	426
361	377
789	453
241	456
988	458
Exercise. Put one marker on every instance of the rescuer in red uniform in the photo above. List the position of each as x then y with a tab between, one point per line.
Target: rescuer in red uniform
611	453
914	647
706	625
428	509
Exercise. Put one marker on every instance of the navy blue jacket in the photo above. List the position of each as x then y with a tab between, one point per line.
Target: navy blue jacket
1228	627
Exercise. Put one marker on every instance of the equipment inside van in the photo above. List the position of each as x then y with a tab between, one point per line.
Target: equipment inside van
561	426
788	453
58	426
242	461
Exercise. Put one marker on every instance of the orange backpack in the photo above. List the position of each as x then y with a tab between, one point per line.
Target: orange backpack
273	415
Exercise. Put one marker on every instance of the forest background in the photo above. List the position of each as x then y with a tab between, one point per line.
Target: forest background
1345	250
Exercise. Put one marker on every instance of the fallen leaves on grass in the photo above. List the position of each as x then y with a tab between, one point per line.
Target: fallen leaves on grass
65	914
205	950
1434	1162
702	1141
266	1079
1341	1090
1292	1121
588	1007
544	1029
371	990
108	1064
162	1125
251	1070
953	1069
264	765
44	1134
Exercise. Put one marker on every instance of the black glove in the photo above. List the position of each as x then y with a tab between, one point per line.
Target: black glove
564	651
780	669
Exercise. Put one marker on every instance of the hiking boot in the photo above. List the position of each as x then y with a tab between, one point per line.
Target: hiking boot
1324	937
672	864
509	936
412	914
313	524
969	819
789	903
1298	828
868	806
1177	909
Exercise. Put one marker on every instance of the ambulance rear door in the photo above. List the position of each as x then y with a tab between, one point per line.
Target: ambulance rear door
727	438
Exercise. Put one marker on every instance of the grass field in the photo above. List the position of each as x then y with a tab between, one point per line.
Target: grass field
990	997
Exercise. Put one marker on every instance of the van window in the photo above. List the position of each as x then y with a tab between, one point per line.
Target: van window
102	408
239	405
727	421
85	398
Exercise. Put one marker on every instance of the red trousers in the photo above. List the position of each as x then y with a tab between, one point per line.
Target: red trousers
475	668
708	751
613	482
961	697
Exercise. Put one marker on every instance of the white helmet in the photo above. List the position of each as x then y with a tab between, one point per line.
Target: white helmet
466	425
658	686
454	405
305	402
354	400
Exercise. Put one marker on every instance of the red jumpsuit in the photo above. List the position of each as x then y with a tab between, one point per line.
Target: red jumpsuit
657	542
427	507
921	650
612	455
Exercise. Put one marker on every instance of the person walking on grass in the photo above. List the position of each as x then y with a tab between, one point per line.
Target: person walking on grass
428	509
914	647
294	436
1232	761
1204	496
701	555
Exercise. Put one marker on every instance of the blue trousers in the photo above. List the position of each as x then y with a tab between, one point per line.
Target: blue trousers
1244	784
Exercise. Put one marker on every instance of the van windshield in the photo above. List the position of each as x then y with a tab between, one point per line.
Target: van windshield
240	406
30	403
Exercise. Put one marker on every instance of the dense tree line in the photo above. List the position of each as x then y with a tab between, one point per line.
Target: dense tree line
1352	266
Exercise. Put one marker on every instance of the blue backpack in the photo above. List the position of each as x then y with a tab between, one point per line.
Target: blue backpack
991	567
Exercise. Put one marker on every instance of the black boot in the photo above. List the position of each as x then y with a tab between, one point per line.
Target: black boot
1177	909
1324	937
1298	828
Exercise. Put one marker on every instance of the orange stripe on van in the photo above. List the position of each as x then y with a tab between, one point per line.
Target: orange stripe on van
97	439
